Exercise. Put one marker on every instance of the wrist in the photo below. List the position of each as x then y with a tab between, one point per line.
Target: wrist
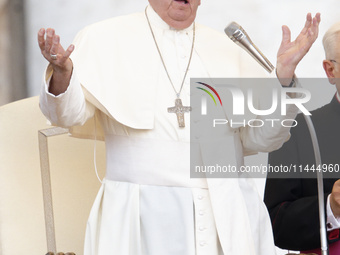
60	79
286	81
64	70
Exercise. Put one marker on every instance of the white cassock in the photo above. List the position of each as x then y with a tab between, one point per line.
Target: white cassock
148	204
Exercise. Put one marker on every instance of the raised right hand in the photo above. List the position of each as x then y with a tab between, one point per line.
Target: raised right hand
51	46
59	59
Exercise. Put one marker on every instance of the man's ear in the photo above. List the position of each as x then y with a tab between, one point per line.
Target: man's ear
328	66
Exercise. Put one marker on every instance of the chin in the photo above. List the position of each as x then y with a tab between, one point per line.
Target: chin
181	16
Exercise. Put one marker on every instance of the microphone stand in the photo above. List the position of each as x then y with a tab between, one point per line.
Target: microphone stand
323	231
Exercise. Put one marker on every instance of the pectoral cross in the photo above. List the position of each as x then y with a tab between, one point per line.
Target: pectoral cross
179	109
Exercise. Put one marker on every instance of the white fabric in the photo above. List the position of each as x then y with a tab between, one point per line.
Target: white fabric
133	111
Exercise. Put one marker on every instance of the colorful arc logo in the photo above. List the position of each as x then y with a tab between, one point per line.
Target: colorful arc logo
209	93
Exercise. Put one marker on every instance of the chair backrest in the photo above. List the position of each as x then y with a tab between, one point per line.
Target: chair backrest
74	182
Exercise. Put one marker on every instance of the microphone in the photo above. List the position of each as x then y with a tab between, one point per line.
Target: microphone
237	34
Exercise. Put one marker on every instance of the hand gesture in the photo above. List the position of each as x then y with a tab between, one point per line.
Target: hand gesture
291	53
59	58
52	50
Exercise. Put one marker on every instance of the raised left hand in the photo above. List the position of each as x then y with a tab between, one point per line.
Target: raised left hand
291	53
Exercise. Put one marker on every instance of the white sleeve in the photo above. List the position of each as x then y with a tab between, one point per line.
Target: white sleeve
332	221
67	109
273	130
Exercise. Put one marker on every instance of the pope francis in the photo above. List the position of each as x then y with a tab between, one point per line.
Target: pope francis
119	85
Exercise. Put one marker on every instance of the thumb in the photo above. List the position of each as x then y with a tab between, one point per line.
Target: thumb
285	35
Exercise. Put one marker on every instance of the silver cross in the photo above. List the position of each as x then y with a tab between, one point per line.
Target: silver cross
179	109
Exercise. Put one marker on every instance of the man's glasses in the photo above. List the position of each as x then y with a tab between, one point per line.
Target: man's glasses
333	61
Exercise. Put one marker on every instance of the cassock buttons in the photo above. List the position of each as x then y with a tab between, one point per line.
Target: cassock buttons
201	212
202	243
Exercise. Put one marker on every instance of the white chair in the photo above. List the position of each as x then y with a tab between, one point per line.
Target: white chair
73	179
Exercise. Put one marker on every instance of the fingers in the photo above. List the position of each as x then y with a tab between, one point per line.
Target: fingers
312	25
68	52
310	31
316	22
307	23
41	39
55	45
49	39
51	49
318	17
50	44
286	35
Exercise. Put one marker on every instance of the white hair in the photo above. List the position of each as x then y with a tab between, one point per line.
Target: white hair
330	40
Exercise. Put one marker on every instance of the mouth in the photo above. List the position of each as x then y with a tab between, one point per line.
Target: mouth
182	1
